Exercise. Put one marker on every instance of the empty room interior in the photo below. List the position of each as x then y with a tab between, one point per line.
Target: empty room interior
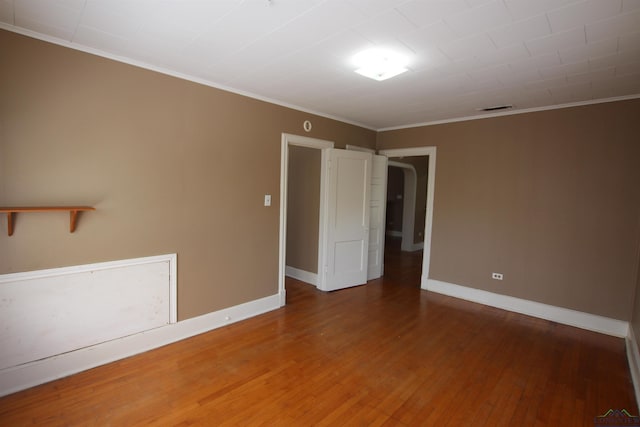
320	212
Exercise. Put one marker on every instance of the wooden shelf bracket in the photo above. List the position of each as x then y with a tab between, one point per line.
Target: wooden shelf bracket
10	223
73	214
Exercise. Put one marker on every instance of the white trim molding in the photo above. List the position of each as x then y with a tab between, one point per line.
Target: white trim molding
302	275
633	357
41	371
579	319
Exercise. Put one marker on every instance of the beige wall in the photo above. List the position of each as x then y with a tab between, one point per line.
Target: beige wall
550	199
170	165
303	208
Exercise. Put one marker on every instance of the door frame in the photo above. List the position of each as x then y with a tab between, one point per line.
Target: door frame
431	179
301	141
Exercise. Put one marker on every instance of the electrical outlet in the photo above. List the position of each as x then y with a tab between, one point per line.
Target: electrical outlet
496	276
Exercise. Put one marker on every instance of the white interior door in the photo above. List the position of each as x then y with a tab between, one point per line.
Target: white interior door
378	205
347	220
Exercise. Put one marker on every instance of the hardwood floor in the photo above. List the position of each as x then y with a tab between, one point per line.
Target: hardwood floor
384	354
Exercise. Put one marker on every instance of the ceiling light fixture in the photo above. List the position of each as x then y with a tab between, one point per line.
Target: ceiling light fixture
380	64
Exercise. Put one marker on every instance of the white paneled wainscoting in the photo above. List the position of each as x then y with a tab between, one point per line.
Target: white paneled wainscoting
61	321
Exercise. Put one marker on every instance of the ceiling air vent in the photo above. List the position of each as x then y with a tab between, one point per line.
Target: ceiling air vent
496	108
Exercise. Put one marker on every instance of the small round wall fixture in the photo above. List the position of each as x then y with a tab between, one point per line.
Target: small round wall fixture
306	126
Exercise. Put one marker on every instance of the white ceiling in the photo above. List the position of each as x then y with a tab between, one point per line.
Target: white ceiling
465	54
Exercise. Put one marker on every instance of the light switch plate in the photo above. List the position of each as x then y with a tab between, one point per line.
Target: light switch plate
267	199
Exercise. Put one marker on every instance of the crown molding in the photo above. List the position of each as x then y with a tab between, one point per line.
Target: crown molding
512	112
140	64
172	73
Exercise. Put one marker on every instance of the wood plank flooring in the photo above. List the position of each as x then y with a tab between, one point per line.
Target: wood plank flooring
384	354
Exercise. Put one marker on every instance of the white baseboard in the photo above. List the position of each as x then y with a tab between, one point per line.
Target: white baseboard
579	319
34	373
302	275
633	357
393	233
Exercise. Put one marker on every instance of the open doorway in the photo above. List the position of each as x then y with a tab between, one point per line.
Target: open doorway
417	250
303	213
405	218
303	268
327	151
340	250
406	201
